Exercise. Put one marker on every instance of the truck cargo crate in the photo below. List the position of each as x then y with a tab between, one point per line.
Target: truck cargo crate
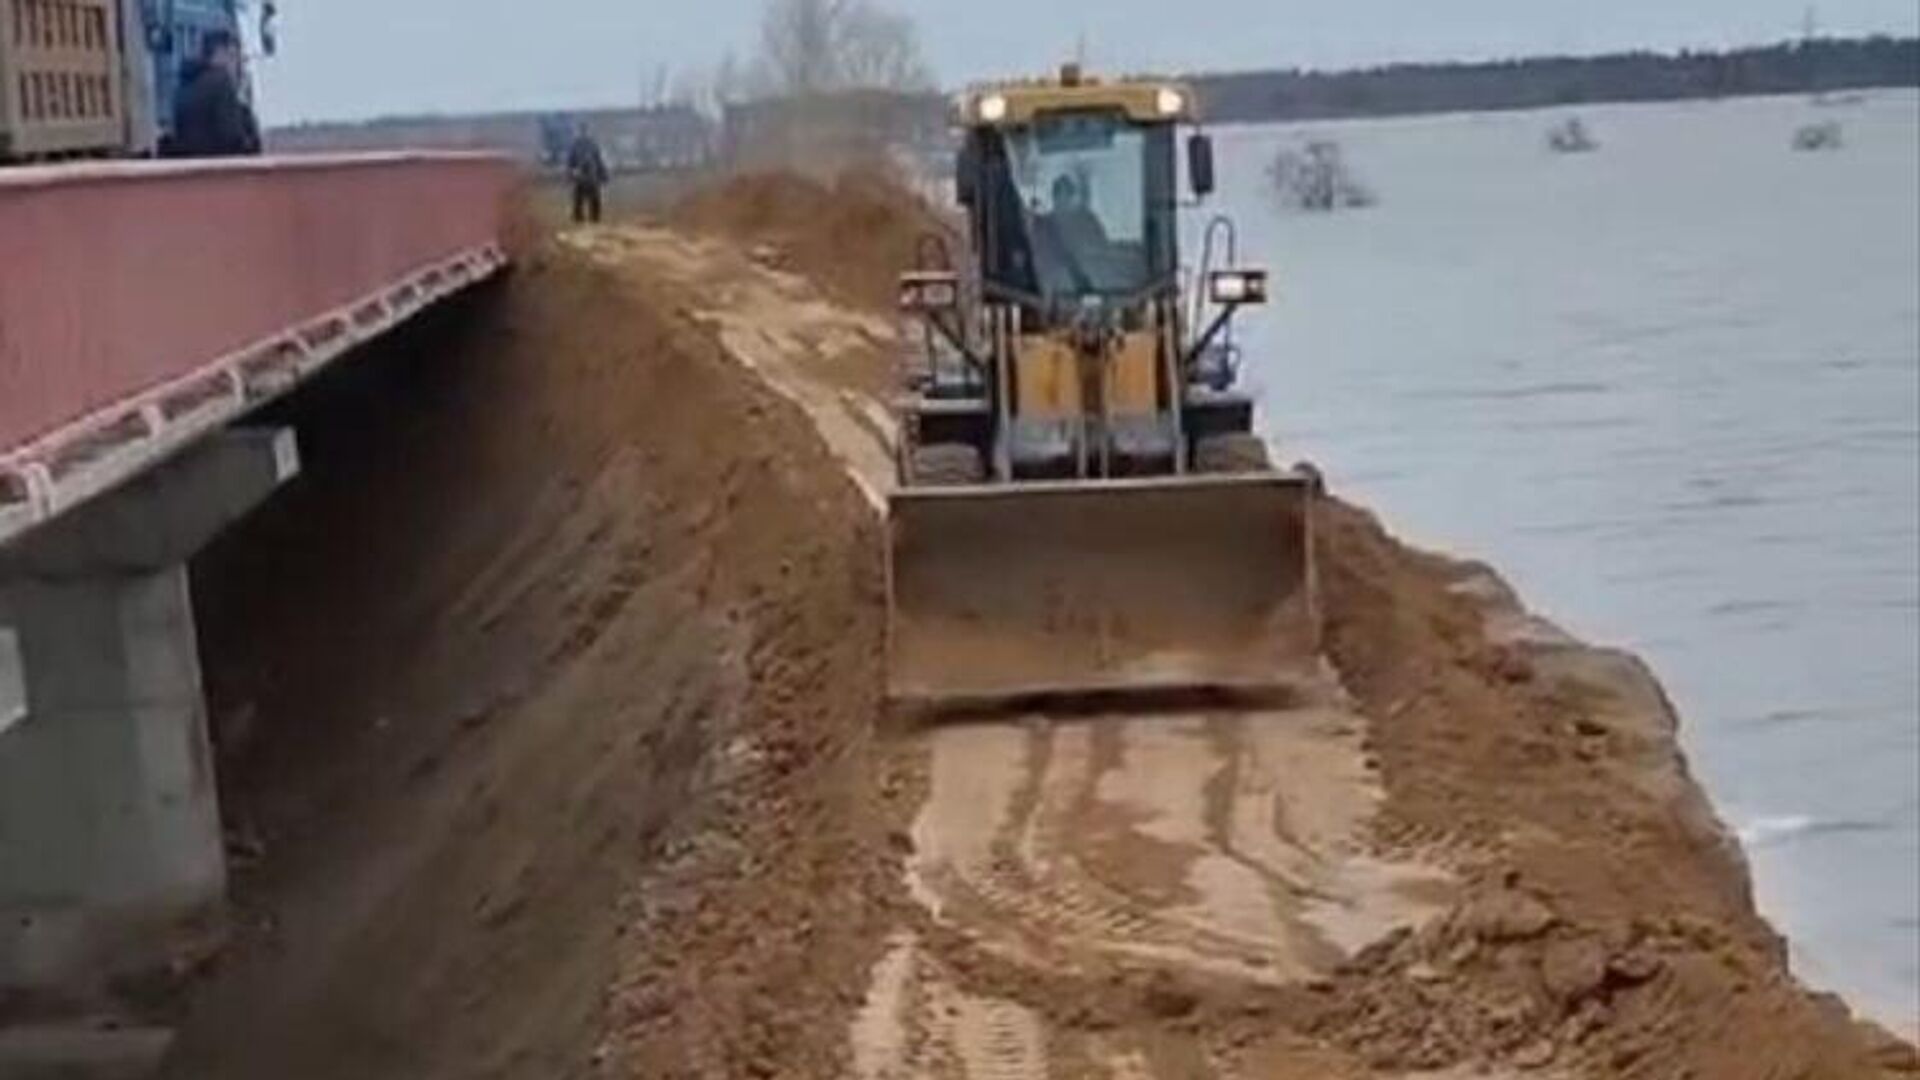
61	86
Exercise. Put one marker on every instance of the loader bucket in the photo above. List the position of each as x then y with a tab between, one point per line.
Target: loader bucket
1051	590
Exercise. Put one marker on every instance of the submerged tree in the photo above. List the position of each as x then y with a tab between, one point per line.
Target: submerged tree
1572	137
1826	135
1316	177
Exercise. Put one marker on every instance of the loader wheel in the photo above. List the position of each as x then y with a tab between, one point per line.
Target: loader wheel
1241	452
947	465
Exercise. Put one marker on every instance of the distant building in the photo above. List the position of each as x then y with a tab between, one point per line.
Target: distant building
635	140
834	128
652	140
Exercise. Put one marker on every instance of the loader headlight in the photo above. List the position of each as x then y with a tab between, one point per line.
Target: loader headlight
1237	286
1170	102
928	291
992	108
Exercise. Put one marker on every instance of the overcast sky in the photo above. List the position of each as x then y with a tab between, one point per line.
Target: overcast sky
356	58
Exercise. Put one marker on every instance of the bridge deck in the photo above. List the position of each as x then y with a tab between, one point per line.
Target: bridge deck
143	304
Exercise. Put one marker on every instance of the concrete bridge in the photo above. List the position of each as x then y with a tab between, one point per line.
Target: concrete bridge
146	310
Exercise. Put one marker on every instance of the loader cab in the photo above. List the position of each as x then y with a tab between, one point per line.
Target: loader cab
1073	193
1070	352
1076	206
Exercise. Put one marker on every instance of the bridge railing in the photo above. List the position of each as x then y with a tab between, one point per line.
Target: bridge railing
143	303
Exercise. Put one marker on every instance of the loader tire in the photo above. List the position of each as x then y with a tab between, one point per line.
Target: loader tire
1241	452
946	465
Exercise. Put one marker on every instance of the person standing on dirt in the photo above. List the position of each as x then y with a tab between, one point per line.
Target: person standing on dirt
1070	243
587	167
210	118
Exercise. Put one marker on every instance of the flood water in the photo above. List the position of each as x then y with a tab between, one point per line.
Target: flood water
1672	390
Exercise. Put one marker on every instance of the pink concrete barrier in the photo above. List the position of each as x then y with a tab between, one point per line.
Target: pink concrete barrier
143	302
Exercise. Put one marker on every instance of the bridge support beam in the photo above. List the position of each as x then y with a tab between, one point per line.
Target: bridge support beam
110	836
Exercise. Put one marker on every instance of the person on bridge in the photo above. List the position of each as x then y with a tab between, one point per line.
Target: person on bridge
210	119
587	166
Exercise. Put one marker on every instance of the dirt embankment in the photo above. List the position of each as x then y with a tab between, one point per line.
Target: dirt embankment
549	709
1607	921
564	644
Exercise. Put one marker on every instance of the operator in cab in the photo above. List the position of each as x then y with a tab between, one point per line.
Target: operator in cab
1072	247
210	118
1078	226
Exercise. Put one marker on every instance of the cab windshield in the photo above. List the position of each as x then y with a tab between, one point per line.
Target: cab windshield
1080	205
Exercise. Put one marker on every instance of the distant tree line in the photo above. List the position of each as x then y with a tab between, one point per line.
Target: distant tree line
1817	66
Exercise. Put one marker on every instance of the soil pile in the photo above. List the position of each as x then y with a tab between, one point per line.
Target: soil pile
853	236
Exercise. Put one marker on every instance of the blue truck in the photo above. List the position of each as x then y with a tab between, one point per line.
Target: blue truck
97	78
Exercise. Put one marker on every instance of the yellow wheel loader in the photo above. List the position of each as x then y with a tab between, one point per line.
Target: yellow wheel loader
1083	507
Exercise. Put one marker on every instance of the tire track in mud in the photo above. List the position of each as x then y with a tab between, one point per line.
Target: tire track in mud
918	1025
997	1040
1172	774
1033	894
1232	885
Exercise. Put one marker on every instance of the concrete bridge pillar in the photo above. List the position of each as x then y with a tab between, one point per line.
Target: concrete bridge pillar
110	834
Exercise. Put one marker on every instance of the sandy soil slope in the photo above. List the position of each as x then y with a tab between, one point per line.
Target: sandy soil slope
567	611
